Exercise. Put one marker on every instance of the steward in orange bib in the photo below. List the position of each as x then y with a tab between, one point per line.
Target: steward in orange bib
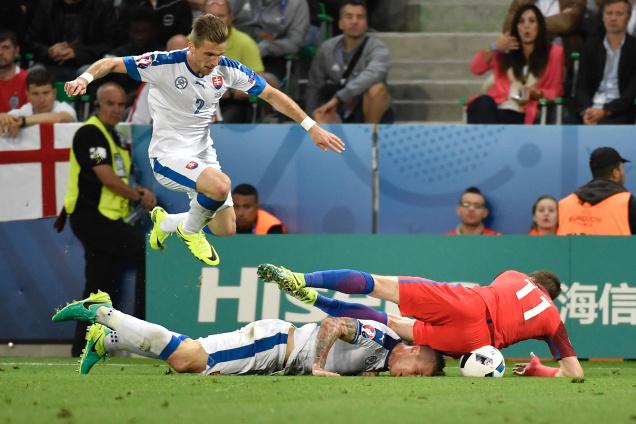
250	218
603	206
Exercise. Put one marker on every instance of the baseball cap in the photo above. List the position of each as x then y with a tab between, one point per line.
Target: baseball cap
605	156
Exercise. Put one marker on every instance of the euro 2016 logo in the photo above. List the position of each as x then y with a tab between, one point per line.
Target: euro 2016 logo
144	61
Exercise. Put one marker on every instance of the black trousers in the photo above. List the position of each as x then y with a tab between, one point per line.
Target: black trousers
484	110
110	248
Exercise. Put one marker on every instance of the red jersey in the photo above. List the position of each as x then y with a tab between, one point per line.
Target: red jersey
484	232
520	310
13	91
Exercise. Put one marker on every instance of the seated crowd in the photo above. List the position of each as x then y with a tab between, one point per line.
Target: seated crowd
268	36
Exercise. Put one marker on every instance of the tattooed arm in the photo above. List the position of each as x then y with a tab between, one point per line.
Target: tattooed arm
331	329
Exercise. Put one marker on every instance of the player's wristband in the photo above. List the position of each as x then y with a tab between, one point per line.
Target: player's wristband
493	46
88	77
307	123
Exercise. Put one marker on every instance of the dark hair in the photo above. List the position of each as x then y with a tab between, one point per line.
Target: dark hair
6	34
141	14
40	76
549	281
440	364
538	59
472	190
344	3
629	6
605	172
536	203
245	190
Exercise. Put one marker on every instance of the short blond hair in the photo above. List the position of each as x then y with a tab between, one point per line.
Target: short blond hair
208	27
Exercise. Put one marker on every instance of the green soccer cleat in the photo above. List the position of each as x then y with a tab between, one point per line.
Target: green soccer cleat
287	280
157	237
94	349
84	310
199	246
306	295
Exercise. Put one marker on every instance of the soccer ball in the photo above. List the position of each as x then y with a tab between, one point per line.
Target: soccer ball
487	361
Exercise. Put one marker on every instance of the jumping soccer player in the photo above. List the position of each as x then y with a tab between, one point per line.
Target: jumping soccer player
336	346
449	317
185	88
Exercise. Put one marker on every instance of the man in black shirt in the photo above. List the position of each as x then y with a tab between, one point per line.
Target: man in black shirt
98	201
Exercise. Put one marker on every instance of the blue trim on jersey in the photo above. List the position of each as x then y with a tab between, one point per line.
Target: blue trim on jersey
170	348
168	58
182	337
131	67
553	348
208	203
259	81
173	175
358	330
248	350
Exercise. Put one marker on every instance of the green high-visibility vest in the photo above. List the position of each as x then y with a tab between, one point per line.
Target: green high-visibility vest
111	205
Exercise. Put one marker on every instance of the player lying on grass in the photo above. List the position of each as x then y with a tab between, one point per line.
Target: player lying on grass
336	346
449	318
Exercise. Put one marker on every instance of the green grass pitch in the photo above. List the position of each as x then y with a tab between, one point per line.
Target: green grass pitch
49	390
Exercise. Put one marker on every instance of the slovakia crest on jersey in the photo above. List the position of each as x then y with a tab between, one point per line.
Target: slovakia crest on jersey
144	61
192	165
217	82
368	331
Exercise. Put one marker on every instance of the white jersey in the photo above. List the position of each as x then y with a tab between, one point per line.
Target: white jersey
27	110
368	352
182	102
260	348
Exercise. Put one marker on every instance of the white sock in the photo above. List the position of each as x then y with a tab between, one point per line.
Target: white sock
142	335
115	341
169	224
197	218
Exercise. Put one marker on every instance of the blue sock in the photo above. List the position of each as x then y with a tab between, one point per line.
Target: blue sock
339	308
208	203
342	280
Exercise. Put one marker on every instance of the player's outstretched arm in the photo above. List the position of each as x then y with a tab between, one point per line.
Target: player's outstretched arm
568	367
331	329
99	69
285	105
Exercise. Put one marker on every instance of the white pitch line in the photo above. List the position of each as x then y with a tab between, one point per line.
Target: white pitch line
74	365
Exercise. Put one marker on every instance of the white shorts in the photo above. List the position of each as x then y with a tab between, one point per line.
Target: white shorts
257	348
181	173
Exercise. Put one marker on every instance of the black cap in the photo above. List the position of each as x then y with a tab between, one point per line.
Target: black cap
605	156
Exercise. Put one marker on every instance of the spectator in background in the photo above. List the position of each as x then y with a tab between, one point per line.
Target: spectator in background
142	35
562	20
278	26
606	84
140	112
250	218
172	17
13	18
472	211
526	68
603	206
631	25
12	78
340	90
42	107
544	216
66	34
98	199
235	106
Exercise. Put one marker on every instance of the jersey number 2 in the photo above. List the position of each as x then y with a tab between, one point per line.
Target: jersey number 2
526	290
199	104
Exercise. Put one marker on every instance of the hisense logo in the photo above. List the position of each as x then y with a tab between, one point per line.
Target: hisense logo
274	304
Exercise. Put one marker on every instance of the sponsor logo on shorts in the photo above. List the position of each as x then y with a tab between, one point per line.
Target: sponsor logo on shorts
217	82
192	165
181	83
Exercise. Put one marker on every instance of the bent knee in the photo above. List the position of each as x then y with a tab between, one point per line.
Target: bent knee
190	357
378	89
216	186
